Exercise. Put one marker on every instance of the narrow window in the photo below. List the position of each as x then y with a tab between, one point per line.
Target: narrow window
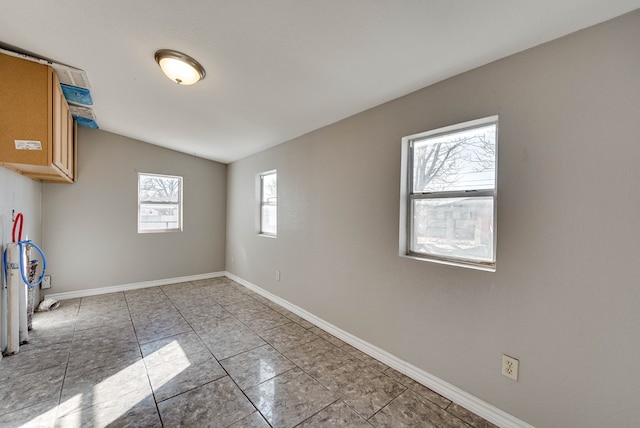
269	203
159	203
449	195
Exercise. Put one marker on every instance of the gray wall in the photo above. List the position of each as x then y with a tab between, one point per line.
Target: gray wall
565	298
90	227
24	195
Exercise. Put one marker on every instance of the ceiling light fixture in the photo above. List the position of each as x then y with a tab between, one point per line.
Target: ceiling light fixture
179	67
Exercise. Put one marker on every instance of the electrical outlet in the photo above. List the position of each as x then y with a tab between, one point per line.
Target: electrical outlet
46	282
510	367
277	275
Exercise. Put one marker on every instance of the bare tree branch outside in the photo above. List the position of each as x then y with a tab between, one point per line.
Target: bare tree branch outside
159	189
461	161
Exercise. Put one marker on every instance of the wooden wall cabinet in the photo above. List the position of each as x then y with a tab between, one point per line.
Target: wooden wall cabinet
37	133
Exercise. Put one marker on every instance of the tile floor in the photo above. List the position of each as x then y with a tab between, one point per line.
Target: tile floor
208	353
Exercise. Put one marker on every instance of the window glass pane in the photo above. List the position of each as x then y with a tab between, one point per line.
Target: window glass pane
269	188
159	216
454	227
155	188
159	203
269	219
268	203
458	161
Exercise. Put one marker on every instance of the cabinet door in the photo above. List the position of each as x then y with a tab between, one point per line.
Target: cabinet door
62	141
25	110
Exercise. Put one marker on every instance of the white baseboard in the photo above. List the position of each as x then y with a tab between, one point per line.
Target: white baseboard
133	286
452	392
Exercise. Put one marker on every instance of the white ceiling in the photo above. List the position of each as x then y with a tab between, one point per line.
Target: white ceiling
276	69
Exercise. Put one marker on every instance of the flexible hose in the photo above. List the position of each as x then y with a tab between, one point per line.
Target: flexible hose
44	264
15	223
20	243
4	267
24	278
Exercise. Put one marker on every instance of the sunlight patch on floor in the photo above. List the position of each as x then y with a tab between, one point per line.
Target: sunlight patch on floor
105	406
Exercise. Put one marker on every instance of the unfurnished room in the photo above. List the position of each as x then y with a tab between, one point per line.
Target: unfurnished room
356	213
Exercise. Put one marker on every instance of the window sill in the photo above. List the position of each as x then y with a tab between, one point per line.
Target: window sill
459	263
267	235
159	231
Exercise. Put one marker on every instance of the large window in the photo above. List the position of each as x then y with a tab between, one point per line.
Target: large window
269	203
159	203
448	198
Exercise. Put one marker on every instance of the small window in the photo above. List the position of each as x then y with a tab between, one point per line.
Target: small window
159	203
269	203
448	206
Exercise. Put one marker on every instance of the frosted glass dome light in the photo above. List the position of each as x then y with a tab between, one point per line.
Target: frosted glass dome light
179	67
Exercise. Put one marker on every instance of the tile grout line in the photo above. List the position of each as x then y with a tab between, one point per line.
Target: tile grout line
135	331
325	407
218	361
281	354
66	368
340	397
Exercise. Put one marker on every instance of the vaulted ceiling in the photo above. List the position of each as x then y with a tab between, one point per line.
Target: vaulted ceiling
276	69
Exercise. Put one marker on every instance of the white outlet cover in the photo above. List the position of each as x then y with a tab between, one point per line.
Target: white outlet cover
46	282
510	367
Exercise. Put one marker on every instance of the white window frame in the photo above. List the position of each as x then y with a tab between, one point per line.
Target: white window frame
407	197
144	202
262	202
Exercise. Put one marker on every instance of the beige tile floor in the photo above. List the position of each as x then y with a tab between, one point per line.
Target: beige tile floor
208	353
